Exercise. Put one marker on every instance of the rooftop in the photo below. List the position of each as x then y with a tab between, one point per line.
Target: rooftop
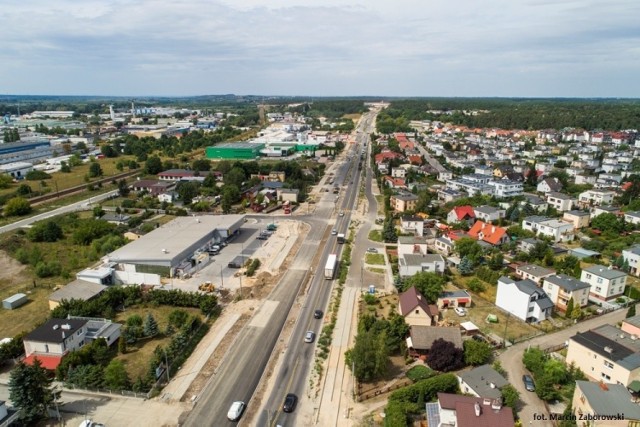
419	259
78	289
609	399
487	414
605	272
422	337
55	330
485	381
536	270
567	283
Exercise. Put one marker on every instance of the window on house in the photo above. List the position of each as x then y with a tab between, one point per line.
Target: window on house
598	289
417	311
530	309
599	279
605	376
588	276
608	364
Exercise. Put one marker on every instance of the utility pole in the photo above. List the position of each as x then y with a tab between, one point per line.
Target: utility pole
506	324
221	278
166	361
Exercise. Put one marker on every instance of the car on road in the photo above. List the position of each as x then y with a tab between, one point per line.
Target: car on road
290	402
309	337
317	314
372	250
334	232
529	385
236	410
341	213
460	311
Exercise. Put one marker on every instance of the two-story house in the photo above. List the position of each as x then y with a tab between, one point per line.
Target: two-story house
606	354
444	245
413	245
410	264
596	198
558	231
548	185
609	405
560	201
524	299
412	224
489	233
606	283
488	213
416	310
404	202
579	219
463	213
631	258
632	217
534	272
505	188
562	288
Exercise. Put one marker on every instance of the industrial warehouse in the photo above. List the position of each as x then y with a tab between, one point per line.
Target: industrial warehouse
177	248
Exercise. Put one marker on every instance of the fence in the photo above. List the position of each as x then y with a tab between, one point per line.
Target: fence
370	394
127	393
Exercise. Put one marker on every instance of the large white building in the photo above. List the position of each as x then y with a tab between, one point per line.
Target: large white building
558	231
505	188
596	197
524	299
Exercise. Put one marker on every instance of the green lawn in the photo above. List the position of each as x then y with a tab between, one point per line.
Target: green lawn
375	259
375	235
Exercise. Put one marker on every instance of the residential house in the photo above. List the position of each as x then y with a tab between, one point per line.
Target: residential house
444	176
524	299
501	171
579	219
538	204
463	213
548	185
631	257
412	224
632	217
599	210
447	195
398	172
489	233
482	381
562	288
403	202
416	310
421	338
394	182
505	188
116	218
410	264
605	403
180	175
289	195
631	325
606	354
606	283
558	231
452	299
488	213
465	411
151	186
411	245
560	201
526	245
533	272
596	198
444	245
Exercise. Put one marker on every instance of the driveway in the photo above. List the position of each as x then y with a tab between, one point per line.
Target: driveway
511	361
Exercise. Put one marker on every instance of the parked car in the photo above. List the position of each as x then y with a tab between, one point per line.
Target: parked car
318	314
372	250
309	337
290	402
460	311
236	410
529	385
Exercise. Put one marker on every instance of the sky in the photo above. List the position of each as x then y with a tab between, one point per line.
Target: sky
475	48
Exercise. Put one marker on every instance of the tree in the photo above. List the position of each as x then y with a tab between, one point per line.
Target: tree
467	247
631	311
570	305
496	262
576	313
203	165
95	170
123	188
477	352
153	165
23	190
122	345
444	356
428	284
510	396
150	326
115	376
369	356
187	191
30	390
466	266
5	181
534	360
389	233
48	231
17	206
607	223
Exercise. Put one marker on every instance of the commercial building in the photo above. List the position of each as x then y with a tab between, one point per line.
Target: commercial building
32	150
235	150
16	170
176	248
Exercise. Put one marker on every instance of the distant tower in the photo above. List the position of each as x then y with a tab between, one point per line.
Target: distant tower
133	109
111	113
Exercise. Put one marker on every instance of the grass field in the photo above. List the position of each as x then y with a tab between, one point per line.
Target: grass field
136	359
375	236
375	259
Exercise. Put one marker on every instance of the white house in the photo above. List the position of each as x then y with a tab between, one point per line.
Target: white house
482	381
558	231
444	245
506	188
398	172
411	245
524	299
606	283
412	224
415	309
410	264
560	201
489	213
549	185
632	217
562	288
533	272
631	257
596	197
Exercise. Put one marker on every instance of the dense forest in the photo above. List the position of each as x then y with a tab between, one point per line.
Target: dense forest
590	114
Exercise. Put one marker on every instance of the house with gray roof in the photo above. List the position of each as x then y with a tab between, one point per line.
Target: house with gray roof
631	258
77	290
605	400
489	213
524	299
534	272
606	354
482	381
606	283
632	217
421	338
562	288
410	264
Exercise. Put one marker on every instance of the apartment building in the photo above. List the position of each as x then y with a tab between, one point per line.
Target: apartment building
403	202
579	219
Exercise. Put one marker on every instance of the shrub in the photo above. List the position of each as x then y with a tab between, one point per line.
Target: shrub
419	372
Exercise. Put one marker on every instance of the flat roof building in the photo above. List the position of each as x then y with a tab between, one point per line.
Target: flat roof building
235	150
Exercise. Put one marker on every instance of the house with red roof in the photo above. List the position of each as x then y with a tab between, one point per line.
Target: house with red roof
468	411
489	233
463	213
392	182
415	159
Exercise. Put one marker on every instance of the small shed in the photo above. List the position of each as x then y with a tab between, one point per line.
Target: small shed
14	301
582	253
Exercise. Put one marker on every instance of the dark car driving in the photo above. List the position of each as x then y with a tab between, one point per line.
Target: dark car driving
528	383
290	402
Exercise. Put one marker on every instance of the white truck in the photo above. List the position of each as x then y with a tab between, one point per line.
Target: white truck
330	266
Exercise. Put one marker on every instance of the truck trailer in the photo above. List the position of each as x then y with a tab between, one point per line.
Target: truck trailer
330	266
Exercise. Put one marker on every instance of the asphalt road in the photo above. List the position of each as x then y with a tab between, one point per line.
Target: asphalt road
243	366
78	206
511	360
299	357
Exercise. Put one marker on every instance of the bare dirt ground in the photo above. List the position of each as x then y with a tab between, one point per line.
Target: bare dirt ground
10	270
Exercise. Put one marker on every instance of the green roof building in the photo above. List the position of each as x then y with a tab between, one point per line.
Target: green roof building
234	150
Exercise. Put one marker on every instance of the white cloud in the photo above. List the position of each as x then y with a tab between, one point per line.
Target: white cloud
329	47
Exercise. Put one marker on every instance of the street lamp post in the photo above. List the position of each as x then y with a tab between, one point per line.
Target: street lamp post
221	278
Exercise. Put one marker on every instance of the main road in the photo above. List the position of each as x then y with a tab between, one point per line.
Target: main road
299	356
240	372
